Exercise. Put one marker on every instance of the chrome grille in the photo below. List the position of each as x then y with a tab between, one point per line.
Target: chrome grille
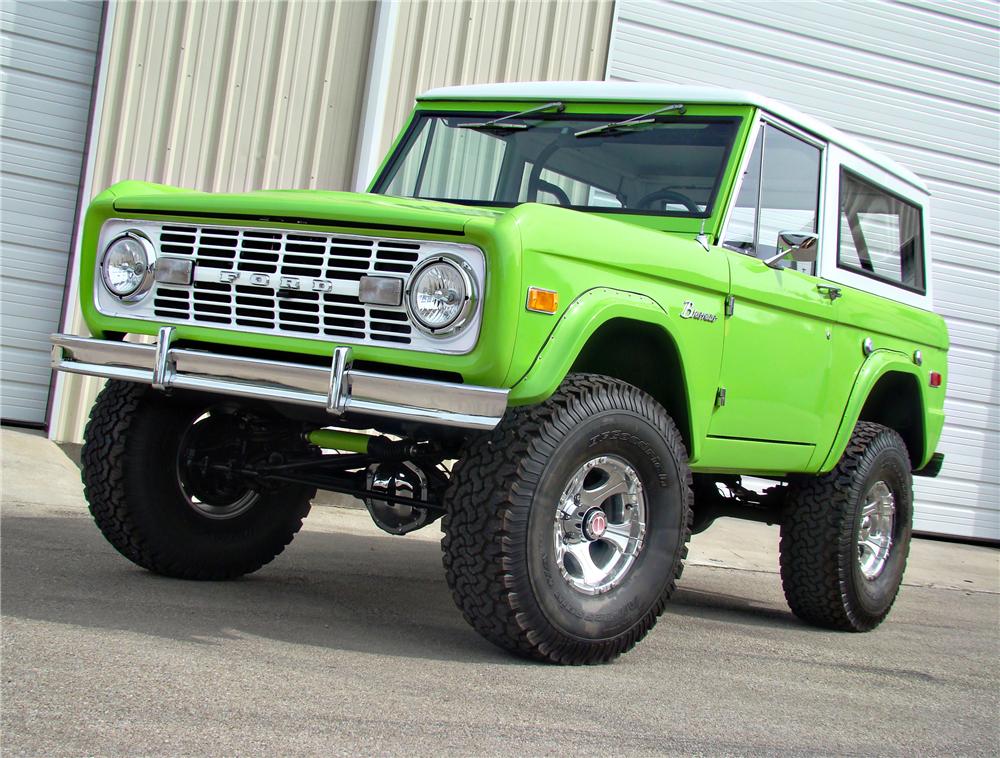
265	251
289	282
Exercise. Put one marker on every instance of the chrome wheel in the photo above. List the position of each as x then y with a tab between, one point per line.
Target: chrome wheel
600	523
875	531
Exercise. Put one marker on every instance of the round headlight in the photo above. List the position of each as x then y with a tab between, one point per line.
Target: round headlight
127	267
440	296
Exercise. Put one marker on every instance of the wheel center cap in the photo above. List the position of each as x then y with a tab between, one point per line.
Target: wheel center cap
595	525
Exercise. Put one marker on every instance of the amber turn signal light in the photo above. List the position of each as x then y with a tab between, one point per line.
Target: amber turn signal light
542	301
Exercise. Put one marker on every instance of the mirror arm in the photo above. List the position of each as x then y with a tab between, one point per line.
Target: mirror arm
775	258
806	238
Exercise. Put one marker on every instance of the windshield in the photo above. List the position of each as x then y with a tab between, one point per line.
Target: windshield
671	165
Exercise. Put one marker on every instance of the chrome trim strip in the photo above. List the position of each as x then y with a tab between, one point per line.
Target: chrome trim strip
339	387
310	379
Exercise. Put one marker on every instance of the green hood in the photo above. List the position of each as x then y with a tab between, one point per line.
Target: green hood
360	209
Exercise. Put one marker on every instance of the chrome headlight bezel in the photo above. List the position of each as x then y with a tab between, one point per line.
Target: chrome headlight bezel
146	282
468	307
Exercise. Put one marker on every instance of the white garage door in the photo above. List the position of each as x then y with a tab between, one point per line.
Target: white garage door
917	80
47	56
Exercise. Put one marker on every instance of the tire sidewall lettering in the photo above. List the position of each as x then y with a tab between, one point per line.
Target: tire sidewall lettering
617	435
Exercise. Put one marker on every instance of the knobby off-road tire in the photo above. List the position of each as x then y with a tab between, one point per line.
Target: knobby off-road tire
502	553
830	579
133	487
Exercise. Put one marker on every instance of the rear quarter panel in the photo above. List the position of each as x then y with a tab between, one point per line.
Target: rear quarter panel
897	332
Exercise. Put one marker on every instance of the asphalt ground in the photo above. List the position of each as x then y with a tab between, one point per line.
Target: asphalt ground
349	644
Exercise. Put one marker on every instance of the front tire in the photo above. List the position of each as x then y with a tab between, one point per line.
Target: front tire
156	499
566	527
845	535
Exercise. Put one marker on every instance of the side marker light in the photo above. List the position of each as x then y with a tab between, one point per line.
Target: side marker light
542	301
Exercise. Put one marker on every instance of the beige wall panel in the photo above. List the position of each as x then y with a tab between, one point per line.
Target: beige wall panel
235	96
231	97
445	42
227	97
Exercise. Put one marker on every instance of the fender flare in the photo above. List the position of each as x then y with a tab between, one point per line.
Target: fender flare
578	323
876	366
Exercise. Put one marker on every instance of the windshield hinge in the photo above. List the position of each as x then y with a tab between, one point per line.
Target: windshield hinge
730	305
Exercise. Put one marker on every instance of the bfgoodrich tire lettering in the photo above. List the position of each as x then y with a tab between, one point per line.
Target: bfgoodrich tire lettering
499	554
823	571
135	495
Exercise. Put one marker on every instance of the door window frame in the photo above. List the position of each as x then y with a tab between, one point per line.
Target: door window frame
762	119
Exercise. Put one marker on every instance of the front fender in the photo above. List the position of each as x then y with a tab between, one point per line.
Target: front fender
578	323
876	366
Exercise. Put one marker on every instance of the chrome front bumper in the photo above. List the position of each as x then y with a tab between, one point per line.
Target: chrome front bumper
338	389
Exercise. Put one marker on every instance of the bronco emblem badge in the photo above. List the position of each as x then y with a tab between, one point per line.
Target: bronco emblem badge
688	311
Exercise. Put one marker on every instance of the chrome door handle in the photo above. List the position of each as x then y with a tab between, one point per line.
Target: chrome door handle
831	292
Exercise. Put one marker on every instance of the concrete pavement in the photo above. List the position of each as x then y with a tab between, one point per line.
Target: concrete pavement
349	643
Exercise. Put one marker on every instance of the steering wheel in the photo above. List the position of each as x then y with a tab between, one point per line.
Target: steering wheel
553	189
647	201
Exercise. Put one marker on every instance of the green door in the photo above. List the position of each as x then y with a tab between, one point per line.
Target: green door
776	361
778	347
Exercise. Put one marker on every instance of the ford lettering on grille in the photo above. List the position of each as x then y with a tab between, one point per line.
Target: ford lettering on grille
278	282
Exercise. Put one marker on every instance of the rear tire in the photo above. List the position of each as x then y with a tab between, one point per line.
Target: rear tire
566	527
845	535
161	512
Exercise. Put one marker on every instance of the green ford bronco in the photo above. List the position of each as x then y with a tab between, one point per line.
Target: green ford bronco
568	319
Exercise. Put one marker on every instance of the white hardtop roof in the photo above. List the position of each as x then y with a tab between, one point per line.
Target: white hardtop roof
653	92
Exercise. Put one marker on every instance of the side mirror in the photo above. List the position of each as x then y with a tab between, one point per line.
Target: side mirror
801	246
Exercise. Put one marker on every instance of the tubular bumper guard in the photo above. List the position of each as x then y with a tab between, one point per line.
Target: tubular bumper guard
338	389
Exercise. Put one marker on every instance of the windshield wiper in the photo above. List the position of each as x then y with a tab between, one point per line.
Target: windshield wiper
504	121
645	118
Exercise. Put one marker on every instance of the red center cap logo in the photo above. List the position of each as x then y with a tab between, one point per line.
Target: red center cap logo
597	525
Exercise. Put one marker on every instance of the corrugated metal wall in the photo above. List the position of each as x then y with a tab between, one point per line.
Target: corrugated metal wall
241	96
234	96
47	56
476	42
918	80
226	97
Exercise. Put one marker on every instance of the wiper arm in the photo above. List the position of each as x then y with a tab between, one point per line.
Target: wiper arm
645	118
504	121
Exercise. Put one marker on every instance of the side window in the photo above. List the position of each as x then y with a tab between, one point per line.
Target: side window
880	234
780	193
741	232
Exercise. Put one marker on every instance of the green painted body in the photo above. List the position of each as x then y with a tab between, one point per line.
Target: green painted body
791	362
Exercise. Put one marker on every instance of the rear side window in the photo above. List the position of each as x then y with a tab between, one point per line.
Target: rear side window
880	234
